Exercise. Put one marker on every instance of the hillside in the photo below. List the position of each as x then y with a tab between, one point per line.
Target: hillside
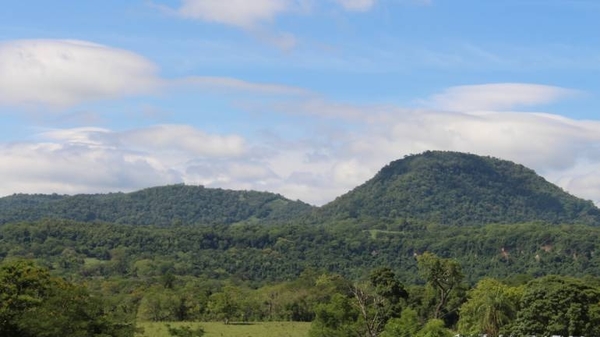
162	206
434	187
460	189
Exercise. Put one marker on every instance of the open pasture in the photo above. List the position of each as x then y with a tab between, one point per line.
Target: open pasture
218	329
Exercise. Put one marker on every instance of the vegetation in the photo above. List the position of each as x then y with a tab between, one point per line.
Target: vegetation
446	188
262	254
361	266
35	304
161	206
460	189
216	329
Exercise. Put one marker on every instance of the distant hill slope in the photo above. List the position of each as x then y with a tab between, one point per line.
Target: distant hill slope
460	189
164	205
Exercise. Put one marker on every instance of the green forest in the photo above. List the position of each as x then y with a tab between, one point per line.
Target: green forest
436	244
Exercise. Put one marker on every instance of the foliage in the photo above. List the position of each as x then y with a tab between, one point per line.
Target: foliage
490	309
162	206
250	257
555	305
263	254
459	189
393	293
443	275
185	331
33	303
447	188
224	305
434	328
405	326
335	319
218	329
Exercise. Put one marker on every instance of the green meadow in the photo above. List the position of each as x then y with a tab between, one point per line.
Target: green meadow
218	329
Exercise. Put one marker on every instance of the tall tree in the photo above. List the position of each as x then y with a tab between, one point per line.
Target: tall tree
35	304
556	305
335	319
406	326
434	328
387	285
444	275
225	304
491	307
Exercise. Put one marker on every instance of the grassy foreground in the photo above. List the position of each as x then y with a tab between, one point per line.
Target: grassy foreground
218	329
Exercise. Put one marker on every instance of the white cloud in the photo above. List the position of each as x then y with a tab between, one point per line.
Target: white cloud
357	5
63	73
55	167
66	72
500	96
90	160
185	139
241	13
318	163
234	84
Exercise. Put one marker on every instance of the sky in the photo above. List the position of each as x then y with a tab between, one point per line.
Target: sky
306	98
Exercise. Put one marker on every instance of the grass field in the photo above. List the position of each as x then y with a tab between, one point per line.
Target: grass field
218	329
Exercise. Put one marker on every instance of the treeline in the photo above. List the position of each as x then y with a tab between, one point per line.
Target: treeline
34	303
160	206
459	189
263	253
446	188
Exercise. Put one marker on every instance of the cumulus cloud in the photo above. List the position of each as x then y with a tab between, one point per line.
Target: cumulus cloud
65	72
357	5
318	163
499	96
90	160
314	168
565	151
185	139
241	13
63	167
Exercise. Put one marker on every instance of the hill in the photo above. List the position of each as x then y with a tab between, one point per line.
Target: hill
460	189
161	206
434	187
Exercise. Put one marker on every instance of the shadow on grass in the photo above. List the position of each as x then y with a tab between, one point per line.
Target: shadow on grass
241	323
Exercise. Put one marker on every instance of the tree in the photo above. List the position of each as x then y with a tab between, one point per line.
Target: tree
434	328
557	305
159	305
491	307
224	305
444	275
386	285
35	304
405	326
371	310
337	318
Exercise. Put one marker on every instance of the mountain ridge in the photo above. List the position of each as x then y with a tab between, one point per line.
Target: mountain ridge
443	187
162	206
460	189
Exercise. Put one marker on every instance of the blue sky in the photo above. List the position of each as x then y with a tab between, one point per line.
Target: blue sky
307	98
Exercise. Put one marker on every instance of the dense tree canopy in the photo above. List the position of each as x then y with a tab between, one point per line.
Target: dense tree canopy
161	206
182	253
555	305
460	189
35	304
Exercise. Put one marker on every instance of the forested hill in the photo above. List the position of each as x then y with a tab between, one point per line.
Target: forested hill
431	188
161	206
460	189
